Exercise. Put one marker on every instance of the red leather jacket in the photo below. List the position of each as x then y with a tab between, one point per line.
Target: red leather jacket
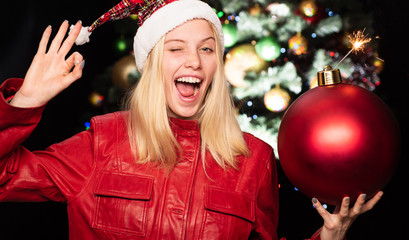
108	196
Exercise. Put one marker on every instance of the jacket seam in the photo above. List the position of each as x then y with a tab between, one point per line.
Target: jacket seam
118	162
239	182
265	172
94	165
192	180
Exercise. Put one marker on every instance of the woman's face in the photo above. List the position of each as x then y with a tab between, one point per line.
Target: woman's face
189	64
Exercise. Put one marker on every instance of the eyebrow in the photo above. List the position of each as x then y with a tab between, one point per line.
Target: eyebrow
181	40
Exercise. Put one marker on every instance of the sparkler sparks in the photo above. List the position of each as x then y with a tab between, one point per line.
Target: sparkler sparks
358	40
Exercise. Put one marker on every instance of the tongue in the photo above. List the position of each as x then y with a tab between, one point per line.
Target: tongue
185	89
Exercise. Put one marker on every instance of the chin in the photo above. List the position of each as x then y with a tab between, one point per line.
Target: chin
184	113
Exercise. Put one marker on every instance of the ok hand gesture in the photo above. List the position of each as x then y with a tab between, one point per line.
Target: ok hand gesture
50	71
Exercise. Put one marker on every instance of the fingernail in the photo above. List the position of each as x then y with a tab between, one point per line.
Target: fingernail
66	21
80	22
82	64
314	200
363	196
347	199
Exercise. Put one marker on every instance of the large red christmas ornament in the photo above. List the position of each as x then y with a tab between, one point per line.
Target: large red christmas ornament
338	140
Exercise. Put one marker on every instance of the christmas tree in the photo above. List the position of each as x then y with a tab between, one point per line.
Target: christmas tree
68	112
273	52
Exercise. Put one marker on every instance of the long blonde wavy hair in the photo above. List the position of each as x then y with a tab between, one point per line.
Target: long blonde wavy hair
150	134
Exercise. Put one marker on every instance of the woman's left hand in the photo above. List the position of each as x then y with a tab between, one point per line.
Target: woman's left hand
337	224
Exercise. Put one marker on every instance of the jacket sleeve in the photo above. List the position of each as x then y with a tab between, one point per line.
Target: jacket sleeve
268	205
265	226
56	174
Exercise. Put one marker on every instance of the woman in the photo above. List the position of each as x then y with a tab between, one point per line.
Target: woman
174	166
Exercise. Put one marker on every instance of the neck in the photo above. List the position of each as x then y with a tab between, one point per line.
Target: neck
174	115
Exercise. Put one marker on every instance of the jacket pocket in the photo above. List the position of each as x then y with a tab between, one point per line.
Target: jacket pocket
228	214
122	202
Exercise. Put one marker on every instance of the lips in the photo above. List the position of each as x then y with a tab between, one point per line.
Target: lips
188	87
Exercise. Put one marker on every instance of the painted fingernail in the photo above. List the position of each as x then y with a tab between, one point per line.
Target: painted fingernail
347	199
363	196
314	200
82	64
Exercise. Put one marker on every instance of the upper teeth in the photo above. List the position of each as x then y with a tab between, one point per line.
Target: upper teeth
189	80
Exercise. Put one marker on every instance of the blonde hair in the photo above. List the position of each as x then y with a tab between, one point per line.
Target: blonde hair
150	135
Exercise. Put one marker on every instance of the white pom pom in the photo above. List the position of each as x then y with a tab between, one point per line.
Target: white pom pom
83	37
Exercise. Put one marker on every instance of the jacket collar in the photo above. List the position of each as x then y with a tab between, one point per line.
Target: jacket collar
178	125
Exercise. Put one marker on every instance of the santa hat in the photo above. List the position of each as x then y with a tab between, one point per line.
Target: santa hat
155	19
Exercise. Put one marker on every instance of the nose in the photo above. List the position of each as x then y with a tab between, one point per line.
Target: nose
193	60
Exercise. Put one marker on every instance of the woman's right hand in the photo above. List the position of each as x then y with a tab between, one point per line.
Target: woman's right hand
50	72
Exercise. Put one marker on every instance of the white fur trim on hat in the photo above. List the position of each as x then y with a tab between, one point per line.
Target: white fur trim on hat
83	36
167	18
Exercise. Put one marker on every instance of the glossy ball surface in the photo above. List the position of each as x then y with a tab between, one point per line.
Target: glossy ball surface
337	141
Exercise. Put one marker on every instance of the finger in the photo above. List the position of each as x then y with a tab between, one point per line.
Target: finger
67	44
42	46
56	43
344	210
320	209
73	60
76	73
372	202
357	208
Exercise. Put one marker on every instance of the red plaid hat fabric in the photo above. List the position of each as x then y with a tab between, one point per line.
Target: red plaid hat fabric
155	19
143	8
120	11
148	8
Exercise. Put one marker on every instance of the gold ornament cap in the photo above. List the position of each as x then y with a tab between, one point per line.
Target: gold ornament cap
329	76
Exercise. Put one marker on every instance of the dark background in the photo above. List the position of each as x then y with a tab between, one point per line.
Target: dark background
22	24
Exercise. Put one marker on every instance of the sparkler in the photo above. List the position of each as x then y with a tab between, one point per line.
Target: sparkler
358	41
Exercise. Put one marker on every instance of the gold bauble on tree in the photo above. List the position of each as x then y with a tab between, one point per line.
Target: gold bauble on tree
298	44
277	99
240	60
308	8
125	73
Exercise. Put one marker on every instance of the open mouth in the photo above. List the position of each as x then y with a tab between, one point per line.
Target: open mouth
188	86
